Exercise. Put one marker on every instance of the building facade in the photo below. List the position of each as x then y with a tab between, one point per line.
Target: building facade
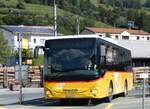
118	33
32	36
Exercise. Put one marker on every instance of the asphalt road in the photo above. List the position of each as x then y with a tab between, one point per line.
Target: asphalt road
33	99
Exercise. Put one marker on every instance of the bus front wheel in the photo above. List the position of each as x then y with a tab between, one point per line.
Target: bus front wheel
110	92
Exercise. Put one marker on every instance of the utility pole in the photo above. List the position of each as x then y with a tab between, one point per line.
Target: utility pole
78	24
55	18
20	65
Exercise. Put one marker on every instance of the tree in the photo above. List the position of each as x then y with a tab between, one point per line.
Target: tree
3	3
21	4
108	35
147	4
146	23
32	1
4	50
120	21
86	7
67	24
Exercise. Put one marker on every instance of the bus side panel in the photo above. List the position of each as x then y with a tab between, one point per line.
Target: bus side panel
123	77
103	85
118	79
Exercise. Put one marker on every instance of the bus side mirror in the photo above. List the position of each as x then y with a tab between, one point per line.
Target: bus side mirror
102	72
36	50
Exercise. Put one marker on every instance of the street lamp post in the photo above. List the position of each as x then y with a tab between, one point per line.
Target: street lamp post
78	24
55	18
20	65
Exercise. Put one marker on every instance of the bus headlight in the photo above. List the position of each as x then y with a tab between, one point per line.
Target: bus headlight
47	92
94	91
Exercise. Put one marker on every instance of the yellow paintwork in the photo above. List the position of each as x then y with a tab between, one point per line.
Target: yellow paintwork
89	89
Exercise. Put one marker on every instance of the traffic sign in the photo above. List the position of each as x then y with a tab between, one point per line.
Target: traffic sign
144	75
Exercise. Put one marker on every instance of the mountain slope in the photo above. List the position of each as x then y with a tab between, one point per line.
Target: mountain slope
36	14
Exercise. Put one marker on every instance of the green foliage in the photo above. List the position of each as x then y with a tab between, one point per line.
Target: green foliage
108	35
120	21
92	13
86	22
32	1
146	23
38	61
8	3
68	23
27	53
147	4
123	3
3	3
21	4
4	49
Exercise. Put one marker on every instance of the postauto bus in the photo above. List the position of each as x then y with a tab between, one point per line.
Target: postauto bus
85	67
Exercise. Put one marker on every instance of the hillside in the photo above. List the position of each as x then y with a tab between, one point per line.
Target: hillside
98	13
37	14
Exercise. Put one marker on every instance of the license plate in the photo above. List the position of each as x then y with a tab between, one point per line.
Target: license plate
70	95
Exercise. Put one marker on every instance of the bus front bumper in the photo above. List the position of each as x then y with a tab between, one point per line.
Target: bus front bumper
70	93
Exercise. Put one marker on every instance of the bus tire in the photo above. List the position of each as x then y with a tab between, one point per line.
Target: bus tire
110	92
125	93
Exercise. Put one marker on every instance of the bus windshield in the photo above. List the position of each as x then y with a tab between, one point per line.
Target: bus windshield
67	55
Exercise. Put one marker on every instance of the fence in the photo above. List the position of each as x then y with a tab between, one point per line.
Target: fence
139	70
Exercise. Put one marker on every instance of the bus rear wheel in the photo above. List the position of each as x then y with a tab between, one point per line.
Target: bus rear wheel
110	93
125	93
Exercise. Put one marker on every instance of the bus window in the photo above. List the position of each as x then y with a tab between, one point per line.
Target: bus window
102	55
114	56
103	50
109	54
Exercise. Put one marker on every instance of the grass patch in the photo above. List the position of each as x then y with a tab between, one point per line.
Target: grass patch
43	9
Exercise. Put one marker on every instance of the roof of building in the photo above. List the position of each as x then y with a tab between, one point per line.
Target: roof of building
139	49
117	31
28	29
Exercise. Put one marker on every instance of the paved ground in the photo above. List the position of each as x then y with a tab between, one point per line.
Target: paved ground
33	99
9	97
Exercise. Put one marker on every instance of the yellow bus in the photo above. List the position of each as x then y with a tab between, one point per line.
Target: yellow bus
85	67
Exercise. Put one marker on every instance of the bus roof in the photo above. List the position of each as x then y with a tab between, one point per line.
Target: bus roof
109	40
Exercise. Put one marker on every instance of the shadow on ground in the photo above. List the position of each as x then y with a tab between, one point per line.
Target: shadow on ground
50	102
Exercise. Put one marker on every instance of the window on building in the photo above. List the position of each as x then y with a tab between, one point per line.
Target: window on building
116	37
34	40
148	38
100	35
137	37
42	41
125	37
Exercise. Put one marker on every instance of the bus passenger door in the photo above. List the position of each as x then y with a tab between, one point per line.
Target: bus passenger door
101	62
